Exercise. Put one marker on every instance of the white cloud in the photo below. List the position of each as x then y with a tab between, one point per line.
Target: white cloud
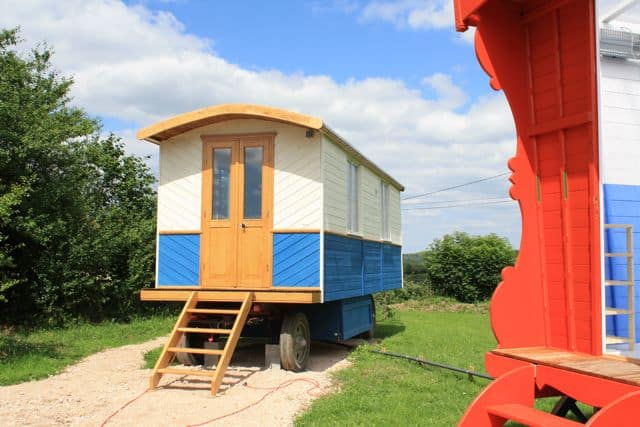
416	14
136	65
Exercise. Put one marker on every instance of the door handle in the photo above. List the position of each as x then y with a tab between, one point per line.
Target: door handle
243	226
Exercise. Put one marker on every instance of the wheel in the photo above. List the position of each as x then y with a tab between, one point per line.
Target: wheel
295	342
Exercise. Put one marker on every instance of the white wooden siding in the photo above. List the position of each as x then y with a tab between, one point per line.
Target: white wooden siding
180	185
395	218
297	182
620	121
370	204
334	166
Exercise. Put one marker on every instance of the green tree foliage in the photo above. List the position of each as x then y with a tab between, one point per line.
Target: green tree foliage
76	213
467	267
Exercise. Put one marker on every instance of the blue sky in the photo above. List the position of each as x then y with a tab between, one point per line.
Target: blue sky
392	77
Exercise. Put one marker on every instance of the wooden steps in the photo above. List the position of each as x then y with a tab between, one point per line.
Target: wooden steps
211	311
206	331
213	352
196	372
529	416
171	347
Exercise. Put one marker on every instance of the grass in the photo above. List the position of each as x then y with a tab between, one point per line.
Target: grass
30	355
150	357
377	390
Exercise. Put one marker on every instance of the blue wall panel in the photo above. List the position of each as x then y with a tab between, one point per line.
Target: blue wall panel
355	267
621	206
391	267
372	253
342	267
296	259
178	260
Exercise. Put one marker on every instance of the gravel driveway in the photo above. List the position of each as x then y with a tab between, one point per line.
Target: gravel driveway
89	392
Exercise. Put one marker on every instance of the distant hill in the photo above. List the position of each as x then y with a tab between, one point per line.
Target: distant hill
414	260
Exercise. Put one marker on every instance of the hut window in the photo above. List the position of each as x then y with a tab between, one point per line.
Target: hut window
253	182
352	198
384	210
221	187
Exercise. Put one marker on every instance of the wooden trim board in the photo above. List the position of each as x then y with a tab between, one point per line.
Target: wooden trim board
299	296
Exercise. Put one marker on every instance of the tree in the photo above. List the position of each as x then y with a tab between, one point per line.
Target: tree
76	213
467	267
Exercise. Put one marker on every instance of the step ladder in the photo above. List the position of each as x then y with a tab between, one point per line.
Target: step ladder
171	348
629	283
511	397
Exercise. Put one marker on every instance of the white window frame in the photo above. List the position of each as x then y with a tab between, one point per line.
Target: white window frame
385	229
353	197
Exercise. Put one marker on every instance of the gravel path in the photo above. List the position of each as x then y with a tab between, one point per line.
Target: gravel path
87	393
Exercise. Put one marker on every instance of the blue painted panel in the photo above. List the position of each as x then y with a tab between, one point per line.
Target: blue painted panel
355	267
342	267
372	270
296	259
339	320
357	316
179	260
391	267
621	206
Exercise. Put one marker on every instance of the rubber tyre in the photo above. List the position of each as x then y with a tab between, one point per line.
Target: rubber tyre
295	342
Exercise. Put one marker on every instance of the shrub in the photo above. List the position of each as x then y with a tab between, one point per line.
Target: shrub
467	267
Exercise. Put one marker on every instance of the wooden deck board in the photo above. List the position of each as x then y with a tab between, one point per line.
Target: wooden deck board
264	295
606	367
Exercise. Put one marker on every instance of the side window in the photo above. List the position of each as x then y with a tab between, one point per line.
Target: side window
352	197
384	211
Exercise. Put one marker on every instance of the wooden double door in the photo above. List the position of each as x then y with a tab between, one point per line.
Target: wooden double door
237	205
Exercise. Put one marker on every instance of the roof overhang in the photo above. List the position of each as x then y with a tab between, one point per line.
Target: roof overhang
173	126
185	122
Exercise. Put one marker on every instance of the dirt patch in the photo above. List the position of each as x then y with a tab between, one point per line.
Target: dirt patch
89	392
443	306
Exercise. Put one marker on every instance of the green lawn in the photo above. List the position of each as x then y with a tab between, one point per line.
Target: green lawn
30	355
377	390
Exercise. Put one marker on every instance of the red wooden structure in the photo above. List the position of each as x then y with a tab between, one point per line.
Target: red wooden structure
547	313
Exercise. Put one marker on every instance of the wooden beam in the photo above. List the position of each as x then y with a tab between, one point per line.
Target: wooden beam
291	297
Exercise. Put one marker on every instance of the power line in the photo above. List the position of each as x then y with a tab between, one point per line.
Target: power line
459	206
484	199
455	186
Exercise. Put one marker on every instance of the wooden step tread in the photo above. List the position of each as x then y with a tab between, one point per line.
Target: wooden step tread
617	340
195	350
212	311
618	254
618	283
611	311
199	373
206	330
529	416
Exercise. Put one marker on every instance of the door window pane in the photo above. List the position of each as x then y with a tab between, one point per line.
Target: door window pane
253	182
221	182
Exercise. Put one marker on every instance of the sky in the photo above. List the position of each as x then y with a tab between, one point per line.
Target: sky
391	77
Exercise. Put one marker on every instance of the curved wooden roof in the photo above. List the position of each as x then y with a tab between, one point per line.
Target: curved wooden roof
168	128
181	123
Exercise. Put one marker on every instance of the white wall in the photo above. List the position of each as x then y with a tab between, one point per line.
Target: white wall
334	172
297	186
334	167
180	184
620	121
